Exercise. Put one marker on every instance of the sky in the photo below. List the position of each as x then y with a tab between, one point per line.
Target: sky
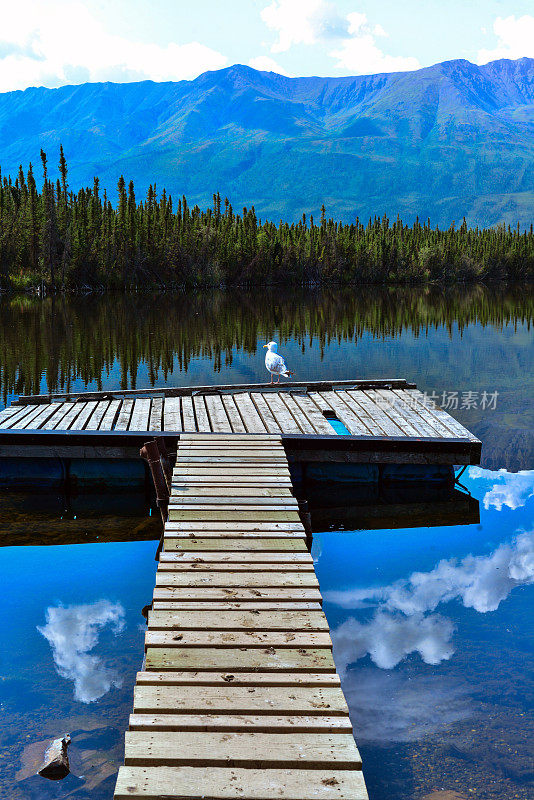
56	42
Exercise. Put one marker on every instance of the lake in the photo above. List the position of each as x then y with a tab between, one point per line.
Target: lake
431	619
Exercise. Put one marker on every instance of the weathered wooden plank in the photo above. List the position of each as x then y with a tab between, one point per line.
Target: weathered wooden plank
97	416
235	699
254	679
237	503
236	544
296	412
53	422
37	417
351	401
140	415
251	639
239	580
70	416
249	413
244	749
218	783
280	413
242	605
435	416
391	427
174	528
316	418
230	437
230	490
243	658
20	413
349	418
233	414
188	415
259	723
237	515
172	418
81	419
284	559
265	413
289	621
217	414
10	410
125	414
236	593
403	411
112	411
203	422
221	566
156	414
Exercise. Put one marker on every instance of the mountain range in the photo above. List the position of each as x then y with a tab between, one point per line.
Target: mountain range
444	142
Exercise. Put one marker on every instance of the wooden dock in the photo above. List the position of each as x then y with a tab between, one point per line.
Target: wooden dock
239	696
382	421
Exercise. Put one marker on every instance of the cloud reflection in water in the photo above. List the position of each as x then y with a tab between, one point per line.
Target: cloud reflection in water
72	632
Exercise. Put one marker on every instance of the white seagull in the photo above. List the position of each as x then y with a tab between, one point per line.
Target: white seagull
275	364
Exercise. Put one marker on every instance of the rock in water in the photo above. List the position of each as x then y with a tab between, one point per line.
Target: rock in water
56	760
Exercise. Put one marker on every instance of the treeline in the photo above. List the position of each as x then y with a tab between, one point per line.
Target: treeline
54	239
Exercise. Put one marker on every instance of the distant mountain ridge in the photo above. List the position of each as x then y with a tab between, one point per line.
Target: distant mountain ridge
447	141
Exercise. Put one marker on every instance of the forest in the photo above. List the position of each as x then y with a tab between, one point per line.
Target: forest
55	239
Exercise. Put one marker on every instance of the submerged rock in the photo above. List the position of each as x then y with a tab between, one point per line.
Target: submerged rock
56	760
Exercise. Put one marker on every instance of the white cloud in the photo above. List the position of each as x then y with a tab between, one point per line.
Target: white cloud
480	582
72	632
302	22
360	54
515	39
512	489
267	64
58	42
313	22
389	638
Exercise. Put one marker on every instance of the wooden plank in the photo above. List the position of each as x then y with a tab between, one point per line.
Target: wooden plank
403	411
237	515
188	415
53	421
296	412
243	658
259	723
280	412
218	783
350	400
172	418
239	580
436	416
245	749
265	413
236	544
125	414
235	699
203	422
81	419
350	420
112	411
273	559
246	438
70	416
252	639
249	413
283	620
391	427
316	418
37	418
21	412
10	410
221	566
232	412
230	490
238	503
174	528
217	414
228	605
97	416
140	415
156	414
235	593
254	679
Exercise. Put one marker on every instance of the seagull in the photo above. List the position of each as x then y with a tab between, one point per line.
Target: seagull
275	364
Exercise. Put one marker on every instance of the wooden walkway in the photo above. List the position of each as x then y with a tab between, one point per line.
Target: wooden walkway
239	696
372	417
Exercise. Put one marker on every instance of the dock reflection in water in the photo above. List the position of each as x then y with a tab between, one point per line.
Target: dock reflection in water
431	636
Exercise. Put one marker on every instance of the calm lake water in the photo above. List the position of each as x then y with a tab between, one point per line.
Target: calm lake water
432	625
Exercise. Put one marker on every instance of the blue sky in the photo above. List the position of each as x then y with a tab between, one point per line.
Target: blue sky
54	42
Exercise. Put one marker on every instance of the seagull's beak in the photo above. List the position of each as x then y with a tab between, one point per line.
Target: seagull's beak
266	345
